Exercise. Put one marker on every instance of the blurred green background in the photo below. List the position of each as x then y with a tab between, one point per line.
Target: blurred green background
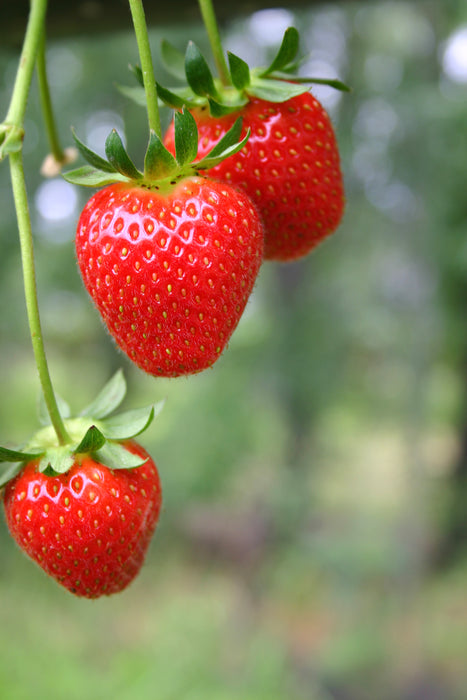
313	542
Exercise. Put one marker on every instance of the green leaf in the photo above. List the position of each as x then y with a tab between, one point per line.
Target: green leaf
7	455
159	163
58	459
10	474
239	71
91	442
211	160
287	51
186	137
91	177
119	158
108	399
198	73
275	90
130	423
173	60
116	456
92	158
43	413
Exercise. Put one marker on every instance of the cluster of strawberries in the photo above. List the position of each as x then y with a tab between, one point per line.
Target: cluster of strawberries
170	255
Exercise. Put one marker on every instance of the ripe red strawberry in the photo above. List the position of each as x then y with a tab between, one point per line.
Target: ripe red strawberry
290	168
169	257
90	527
170	272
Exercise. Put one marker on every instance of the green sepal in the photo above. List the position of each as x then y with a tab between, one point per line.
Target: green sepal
159	163
137	72
119	158
130	423
331	82
287	52
227	146
92	158
91	442
42	411
88	176
116	456
170	97
57	459
198	73
186	137
7	455
275	90
10	474
217	109
108	399
239	71
173	60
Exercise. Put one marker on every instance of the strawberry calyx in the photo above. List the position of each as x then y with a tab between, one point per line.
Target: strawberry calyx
94	432
162	171
277	82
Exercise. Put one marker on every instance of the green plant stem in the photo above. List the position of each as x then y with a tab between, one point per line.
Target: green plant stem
149	80
46	103
34	32
30	290
15	122
210	22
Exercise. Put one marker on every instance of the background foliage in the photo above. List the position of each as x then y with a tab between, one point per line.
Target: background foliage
314	535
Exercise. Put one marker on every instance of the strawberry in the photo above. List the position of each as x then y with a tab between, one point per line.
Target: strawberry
88	528
289	167
85	511
168	257
170	273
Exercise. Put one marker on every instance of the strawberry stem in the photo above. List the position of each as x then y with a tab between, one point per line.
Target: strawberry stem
46	104
212	28
149	80
12	146
30	290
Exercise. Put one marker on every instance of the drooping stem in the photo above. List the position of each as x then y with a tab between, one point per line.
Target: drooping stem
12	132
46	103
149	81
210	22
27	60
30	290
12	146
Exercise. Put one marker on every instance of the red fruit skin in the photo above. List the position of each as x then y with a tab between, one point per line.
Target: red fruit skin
290	167
170	274
89	528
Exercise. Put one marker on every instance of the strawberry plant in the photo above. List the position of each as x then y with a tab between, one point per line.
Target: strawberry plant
169	254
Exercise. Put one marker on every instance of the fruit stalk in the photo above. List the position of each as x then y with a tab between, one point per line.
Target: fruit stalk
12	146
149	81
14	120
30	291
210	23
46	103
